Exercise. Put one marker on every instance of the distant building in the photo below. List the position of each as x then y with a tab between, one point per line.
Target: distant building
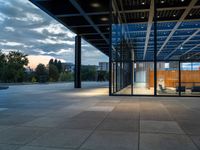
103	66
68	67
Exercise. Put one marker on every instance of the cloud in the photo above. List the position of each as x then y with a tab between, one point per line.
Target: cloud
26	28
9	29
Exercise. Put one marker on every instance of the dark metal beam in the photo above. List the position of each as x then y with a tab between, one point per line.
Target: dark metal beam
178	47
88	14
125	11
140	22
183	16
98	25
82	12
198	45
150	22
193	55
103	33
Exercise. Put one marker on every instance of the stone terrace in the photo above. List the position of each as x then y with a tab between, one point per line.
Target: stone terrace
58	117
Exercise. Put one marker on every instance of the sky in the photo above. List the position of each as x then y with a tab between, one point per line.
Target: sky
26	28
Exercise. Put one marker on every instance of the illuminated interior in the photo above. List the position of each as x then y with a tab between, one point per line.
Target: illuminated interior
153	45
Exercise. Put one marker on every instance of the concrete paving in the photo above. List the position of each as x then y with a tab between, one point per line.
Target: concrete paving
58	117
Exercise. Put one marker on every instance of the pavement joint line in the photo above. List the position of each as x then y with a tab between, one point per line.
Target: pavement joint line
26	144
93	131
189	136
164	133
184	131
198	147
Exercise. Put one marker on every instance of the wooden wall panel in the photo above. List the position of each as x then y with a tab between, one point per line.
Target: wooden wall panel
171	77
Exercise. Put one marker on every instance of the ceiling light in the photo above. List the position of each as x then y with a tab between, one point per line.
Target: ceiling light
158	16
143	3
174	15
182	0
181	47
190	14
162	2
142	17
104	19
95	5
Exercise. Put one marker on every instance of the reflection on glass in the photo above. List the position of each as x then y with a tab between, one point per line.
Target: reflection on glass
143	78
168	78
190	78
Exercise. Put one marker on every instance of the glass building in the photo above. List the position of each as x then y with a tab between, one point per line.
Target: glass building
153	45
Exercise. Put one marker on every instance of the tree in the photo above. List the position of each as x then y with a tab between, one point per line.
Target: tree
41	73
53	73
2	64
13	66
59	66
88	73
66	76
55	62
51	61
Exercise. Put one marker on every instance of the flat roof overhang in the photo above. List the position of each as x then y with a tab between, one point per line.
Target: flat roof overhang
89	19
178	24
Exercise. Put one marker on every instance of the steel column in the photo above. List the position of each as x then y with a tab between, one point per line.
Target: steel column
111	67
155	48
77	73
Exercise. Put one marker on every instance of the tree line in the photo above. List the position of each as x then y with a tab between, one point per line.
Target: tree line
13	69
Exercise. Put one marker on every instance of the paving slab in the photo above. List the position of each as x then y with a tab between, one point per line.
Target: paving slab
101	108
4	127
160	127
190	127
62	138
123	115
40	148
20	135
155	115
8	147
91	114
107	103
119	125
85	123
12	120
45	122
149	141
196	140
107	140
3	109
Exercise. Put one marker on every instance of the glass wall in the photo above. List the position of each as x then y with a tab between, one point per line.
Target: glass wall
190	78
151	49
121	59
143	78
168	78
